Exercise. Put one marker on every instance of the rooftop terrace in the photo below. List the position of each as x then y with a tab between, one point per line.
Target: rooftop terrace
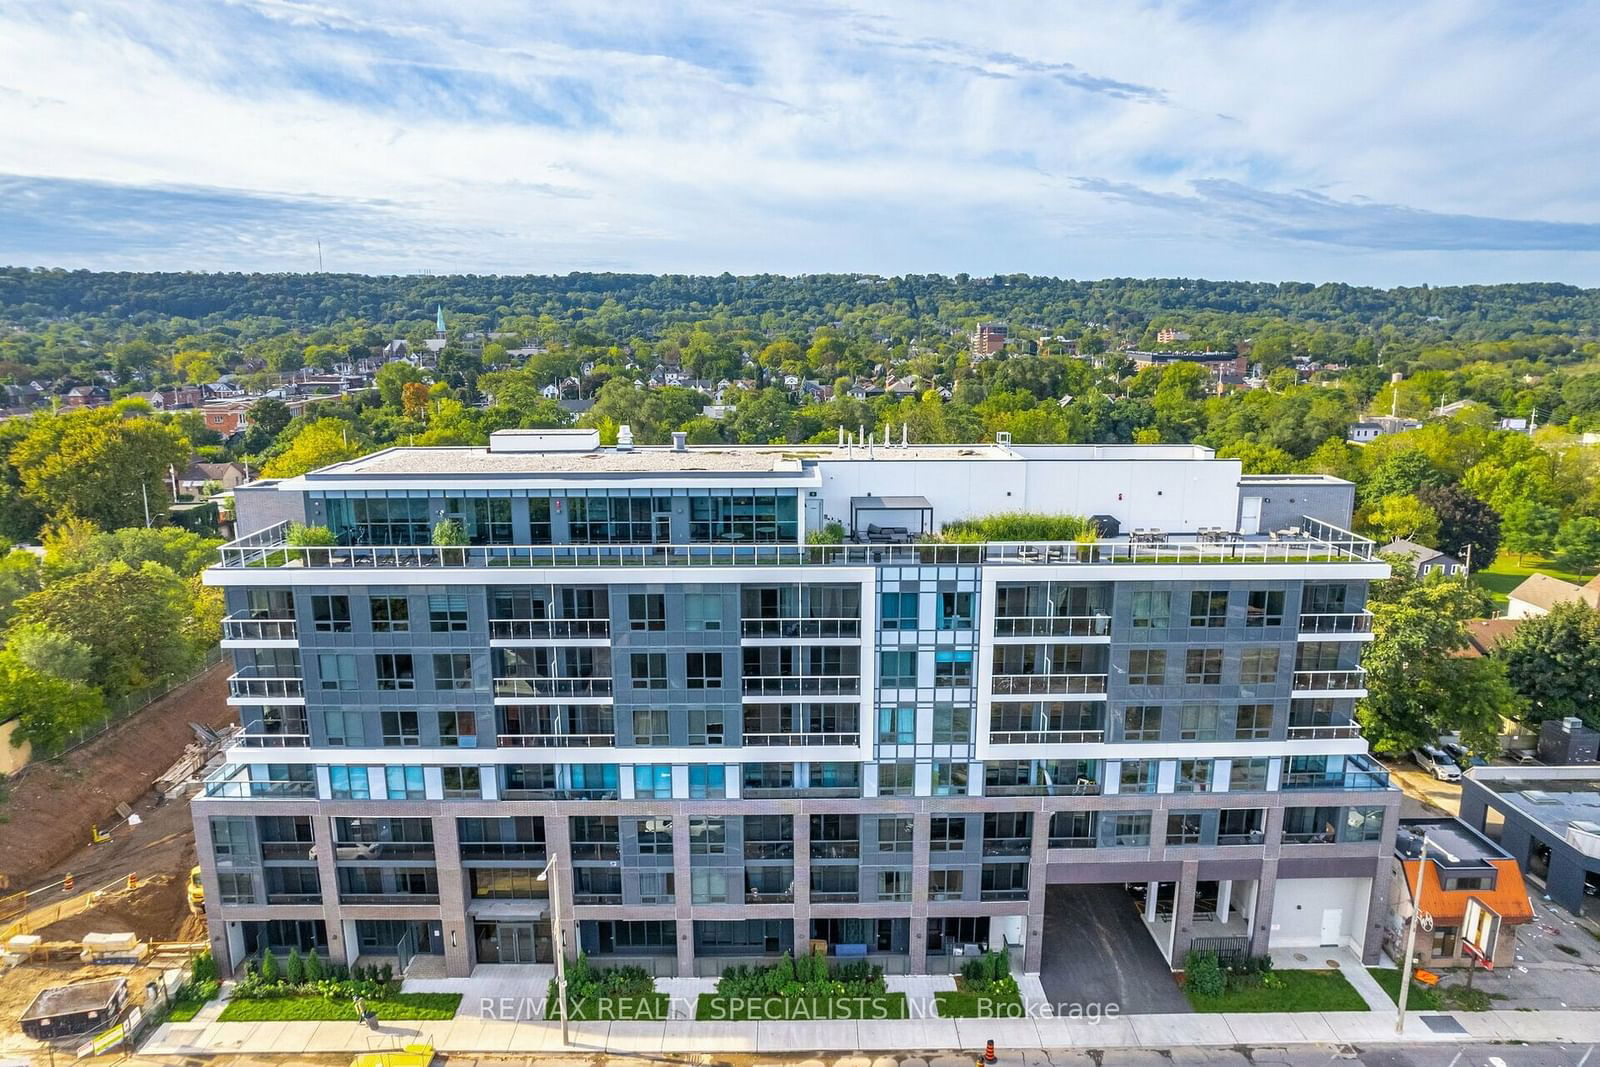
1312	542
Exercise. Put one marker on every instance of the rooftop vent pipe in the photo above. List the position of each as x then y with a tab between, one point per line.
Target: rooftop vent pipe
680	441
625	438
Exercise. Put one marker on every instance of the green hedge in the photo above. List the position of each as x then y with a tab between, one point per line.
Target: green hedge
1285	991
722	1007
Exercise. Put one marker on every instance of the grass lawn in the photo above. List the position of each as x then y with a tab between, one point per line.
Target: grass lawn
1507	573
184	1010
1456	997
649	1007
296	1008
961	1004
716	1007
1290	991
1422	998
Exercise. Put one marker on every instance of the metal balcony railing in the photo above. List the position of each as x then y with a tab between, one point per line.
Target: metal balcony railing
831	685
798	628
255	737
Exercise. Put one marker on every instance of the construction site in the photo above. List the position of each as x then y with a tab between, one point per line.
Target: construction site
96	849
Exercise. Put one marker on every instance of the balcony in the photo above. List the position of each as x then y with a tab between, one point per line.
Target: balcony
290	851
1046	737
1053	626
801	628
1313	541
1324	731
552	687
1350	680
249	684
832	685
608	851
548	629
801	739
294	898
1007	846
349	851
1355	773
253	736
386	899
503	850
555	740
1333	624
1024	684
835	850
253	629
769	850
1083	787
553	793
232	781
776	896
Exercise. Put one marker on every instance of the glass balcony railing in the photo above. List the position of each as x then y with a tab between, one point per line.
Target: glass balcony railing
249	683
552	687
1346	680
1323	731
756	739
555	740
1052	626
253	628
542	629
1335	623
1045	737
1021	684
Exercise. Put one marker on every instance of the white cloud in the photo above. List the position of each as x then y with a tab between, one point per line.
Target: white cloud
792	137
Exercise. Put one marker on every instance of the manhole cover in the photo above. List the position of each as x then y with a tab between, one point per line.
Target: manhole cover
1443	1024
1299	957
1333	964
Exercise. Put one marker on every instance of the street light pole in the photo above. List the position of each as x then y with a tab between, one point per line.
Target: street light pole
551	874
1411	937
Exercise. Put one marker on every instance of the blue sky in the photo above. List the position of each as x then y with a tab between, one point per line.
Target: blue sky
1438	142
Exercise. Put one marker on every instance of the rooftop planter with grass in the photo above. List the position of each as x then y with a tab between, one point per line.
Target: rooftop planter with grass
1251	985
1019	526
801	989
622	994
985	989
306	988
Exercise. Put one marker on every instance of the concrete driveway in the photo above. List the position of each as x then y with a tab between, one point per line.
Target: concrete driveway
1097	951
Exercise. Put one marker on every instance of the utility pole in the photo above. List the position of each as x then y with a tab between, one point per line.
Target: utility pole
144	491
1411	938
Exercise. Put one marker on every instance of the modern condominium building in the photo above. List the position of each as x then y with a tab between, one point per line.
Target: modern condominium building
728	740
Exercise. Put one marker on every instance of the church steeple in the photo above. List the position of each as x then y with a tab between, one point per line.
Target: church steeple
438	323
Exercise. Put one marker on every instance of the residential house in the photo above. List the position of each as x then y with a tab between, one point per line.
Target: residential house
227	417
1375	426
197	476
1486	635
1472	889
1538	593
1424	559
87	396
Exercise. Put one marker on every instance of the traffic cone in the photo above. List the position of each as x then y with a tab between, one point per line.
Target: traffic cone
66	884
133	883
988	1052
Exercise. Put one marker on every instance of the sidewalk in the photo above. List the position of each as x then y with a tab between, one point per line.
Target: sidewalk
474	1035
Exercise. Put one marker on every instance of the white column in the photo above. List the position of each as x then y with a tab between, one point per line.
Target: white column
1224	898
1151	890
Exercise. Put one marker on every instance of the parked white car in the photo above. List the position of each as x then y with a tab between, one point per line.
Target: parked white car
1436	763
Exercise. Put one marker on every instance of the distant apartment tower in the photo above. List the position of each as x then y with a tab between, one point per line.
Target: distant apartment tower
733	743
989	338
1169	336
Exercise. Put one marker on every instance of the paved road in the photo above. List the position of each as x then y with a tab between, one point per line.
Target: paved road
1097	951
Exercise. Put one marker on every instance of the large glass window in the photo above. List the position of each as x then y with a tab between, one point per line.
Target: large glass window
1264	607
330	614
1147	666
1208	607
1152	610
380	520
391	615
597	518
744	516
897	668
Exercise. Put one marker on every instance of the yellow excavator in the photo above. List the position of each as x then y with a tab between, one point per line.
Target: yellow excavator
196	892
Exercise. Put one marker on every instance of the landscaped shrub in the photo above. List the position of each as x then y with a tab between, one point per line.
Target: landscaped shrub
832	533
269	967
807	976
266	980
585	983
302	536
1202	975
294	968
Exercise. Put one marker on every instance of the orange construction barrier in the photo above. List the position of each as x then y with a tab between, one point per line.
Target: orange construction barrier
988	1051
133	881
66	884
